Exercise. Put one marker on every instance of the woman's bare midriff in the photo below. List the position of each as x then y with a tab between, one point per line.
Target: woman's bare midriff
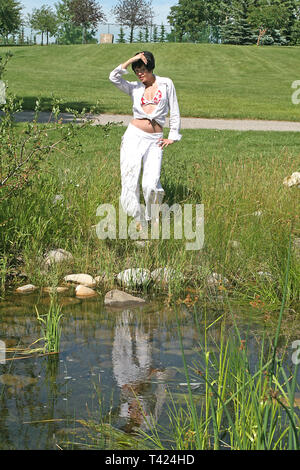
147	125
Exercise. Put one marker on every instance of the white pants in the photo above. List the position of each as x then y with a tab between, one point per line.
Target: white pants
140	147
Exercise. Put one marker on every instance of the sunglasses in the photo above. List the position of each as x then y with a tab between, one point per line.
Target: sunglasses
140	72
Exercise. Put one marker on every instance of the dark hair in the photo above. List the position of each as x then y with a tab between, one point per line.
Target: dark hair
150	61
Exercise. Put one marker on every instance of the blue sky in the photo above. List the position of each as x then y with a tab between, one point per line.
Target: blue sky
161	7
161	10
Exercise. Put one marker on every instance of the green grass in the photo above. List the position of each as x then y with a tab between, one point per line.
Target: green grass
211	80
232	173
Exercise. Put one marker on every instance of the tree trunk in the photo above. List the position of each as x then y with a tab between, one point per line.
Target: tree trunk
131	33
42	43
262	32
47	38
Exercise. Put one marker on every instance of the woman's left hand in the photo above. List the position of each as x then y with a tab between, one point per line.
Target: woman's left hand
165	142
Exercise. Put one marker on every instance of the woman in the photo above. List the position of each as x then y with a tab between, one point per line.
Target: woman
143	141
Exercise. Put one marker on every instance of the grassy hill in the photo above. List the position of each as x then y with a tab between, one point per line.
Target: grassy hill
211	80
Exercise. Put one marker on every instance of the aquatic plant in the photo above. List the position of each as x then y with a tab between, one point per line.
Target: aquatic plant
51	327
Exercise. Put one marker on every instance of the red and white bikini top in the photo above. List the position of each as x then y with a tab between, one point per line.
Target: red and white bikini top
156	99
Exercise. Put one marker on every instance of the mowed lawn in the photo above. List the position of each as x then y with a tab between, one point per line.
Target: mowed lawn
220	81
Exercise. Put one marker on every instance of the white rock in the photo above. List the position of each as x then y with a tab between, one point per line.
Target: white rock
163	274
81	278
134	277
84	291
26	288
118	298
293	180
216	279
57	256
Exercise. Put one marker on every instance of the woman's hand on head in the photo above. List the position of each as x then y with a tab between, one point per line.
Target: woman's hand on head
140	56
137	57
165	142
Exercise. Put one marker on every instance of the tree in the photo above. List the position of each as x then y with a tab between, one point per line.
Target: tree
146	38
67	31
237	29
87	14
265	15
10	17
140	36
133	13
155	34
43	20
295	33
187	17
121	37
293	13
162	33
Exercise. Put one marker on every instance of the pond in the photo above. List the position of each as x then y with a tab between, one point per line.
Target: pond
115	365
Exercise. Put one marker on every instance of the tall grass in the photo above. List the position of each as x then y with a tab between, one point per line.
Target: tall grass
232	174
51	326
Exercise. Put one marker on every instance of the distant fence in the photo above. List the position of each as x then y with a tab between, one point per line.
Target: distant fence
152	33
139	31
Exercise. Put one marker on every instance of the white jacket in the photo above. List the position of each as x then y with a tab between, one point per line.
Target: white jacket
168	101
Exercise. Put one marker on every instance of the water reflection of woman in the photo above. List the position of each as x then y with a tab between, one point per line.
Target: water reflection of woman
133	370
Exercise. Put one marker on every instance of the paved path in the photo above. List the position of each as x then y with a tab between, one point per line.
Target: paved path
186	123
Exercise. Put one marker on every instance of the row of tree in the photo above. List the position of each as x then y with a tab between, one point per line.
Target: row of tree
237	21
75	21
226	21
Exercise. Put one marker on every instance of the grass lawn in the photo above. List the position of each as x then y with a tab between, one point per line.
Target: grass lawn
234	174
220	81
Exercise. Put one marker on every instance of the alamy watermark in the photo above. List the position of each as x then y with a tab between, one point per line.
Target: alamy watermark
188	224
2	92
296	94
296	354
2	352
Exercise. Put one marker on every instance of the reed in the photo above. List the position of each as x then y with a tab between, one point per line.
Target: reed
51	326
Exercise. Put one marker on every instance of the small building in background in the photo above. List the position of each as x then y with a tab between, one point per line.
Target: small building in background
106	38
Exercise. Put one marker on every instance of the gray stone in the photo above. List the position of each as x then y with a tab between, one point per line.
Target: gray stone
215	279
57	256
26	288
81	278
118	298
293	180
84	291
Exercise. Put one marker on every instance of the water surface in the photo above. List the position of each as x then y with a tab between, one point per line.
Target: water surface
111	363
